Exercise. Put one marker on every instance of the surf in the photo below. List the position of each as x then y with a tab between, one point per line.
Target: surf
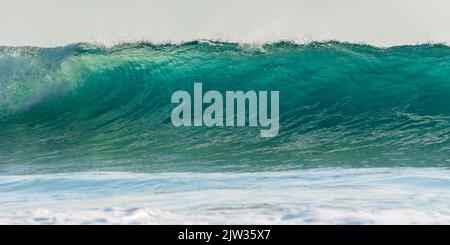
86	106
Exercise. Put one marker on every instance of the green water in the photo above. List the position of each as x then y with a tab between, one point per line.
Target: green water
87	107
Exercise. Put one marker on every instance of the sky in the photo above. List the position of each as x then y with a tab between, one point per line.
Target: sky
377	22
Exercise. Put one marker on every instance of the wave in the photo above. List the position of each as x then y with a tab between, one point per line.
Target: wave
341	104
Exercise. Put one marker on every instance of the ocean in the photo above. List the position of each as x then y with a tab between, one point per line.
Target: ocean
86	135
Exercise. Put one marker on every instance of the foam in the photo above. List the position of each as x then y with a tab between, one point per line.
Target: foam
146	216
308	196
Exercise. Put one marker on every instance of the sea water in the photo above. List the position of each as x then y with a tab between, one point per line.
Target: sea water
86	135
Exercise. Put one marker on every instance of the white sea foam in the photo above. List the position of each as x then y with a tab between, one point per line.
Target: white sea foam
307	196
146	216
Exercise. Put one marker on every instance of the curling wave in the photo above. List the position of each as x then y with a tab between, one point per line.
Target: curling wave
86	106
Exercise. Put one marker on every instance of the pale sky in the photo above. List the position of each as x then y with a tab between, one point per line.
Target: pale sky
376	22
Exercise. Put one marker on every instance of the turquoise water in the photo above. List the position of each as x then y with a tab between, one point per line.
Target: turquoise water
82	110
84	107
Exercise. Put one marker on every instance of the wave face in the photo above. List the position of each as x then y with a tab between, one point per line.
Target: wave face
85	106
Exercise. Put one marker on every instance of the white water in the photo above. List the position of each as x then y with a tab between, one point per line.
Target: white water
308	196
